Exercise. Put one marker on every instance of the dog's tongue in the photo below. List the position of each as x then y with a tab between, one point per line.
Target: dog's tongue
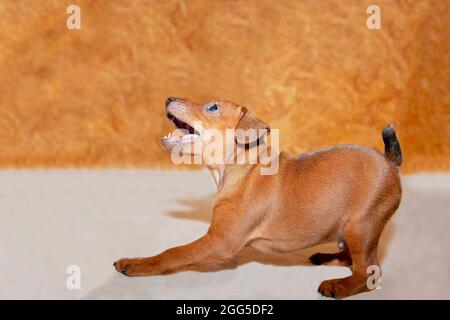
189	138
167	143
170	141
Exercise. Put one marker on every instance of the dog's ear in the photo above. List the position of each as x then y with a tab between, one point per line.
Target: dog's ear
250	129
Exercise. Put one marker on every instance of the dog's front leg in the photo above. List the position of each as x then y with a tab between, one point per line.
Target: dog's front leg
209	251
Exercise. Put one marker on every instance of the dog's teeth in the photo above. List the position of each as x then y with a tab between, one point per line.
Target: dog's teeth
170	134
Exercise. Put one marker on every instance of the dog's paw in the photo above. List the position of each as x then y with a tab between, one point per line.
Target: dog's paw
122	265
318	258
333	289
137	267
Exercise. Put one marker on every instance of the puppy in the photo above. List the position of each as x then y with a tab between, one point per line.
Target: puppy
345	193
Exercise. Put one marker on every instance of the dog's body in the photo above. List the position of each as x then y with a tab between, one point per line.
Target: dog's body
345	193
315	195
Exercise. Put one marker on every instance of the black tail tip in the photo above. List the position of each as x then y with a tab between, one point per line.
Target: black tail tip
388	131
392	148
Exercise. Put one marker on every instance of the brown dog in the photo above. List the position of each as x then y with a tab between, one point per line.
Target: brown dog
346	193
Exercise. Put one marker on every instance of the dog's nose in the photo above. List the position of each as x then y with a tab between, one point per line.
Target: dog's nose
169	100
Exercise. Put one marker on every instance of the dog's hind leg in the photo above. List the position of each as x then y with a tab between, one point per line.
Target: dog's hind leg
361	234
343	256
362	244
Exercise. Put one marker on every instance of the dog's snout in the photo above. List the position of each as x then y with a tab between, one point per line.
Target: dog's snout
169	100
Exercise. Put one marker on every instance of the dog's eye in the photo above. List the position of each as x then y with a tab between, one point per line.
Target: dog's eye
212	108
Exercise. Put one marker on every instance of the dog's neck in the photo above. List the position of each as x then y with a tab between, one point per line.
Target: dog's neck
217	172
230	164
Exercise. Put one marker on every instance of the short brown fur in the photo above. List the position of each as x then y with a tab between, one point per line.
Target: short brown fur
345	193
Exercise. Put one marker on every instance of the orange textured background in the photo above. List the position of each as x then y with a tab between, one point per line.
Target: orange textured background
94	97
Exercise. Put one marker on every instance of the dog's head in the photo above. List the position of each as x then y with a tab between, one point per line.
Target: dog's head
195	122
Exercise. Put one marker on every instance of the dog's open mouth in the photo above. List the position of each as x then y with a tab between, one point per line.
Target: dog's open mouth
185	133
182	125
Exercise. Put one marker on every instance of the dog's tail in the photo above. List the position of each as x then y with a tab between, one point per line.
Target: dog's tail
392	149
